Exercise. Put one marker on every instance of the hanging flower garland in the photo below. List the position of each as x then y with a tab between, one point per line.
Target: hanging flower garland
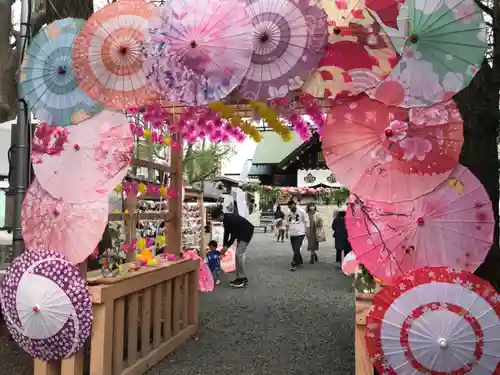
271	118
142	189
286	110
313	110
227	113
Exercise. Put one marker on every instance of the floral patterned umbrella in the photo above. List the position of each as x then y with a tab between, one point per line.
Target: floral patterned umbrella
47	79
46	305
289	41
359	55
198	53
435	321
83	163
391	154
443	45
452	225
73	230
107	55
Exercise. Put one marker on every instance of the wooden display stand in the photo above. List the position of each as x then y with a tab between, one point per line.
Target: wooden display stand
194	194
140	316
363	303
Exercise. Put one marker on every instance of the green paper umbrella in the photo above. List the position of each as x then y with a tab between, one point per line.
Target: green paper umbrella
442	44
47	81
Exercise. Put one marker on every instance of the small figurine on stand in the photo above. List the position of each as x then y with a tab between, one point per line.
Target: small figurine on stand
112	261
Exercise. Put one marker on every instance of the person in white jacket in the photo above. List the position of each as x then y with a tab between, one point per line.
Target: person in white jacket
297	225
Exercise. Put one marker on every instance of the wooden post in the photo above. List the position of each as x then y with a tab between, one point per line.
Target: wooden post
130	222
173	229
201	206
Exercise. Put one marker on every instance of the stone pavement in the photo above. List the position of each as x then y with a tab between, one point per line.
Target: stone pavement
293	323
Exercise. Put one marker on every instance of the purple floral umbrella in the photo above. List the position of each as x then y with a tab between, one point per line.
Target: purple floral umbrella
289	38
46	305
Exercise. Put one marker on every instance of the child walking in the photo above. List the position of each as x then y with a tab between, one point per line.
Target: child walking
213	258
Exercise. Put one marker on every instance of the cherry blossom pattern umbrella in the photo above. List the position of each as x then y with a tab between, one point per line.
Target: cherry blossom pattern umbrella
83	163
107	55
443	45
359	55
46	305
391	154
47	80
289	39
73	230
196	54
452	225
435	321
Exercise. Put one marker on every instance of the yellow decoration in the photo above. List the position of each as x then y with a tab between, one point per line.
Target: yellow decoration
116	212
152	262
141	243
457	184
125	212
160	240
142	188
228	114
271	118
148	135
119	188
167	140
163	191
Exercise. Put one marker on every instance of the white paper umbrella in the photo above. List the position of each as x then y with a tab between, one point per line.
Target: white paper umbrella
435	321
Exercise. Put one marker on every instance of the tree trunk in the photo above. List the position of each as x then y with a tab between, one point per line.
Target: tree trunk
478	105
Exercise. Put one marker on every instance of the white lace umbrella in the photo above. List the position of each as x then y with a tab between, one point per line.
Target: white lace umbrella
435	321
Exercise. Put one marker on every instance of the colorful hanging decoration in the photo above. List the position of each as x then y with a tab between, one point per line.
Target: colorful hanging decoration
149	190
46	305
108	58
73	230
359	54
271	119
83	163
443	44
453	225
226	112
391	154
197	53
289	41
435	321
47	79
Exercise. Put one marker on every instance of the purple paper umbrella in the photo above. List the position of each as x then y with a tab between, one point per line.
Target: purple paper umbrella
289	39
46	305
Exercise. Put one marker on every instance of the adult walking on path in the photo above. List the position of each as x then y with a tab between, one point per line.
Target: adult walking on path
279	220
297	225
316	233
239	229
340	235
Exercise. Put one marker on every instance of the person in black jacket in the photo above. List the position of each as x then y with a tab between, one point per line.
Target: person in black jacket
236	228
340	234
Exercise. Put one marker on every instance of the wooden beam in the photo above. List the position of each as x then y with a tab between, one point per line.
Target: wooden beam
152	165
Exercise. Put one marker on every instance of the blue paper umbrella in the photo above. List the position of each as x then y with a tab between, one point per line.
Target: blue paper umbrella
47	80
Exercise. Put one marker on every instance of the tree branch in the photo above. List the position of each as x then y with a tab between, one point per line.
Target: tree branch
484	8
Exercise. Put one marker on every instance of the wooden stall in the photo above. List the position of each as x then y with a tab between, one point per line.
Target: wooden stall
363	304
139	316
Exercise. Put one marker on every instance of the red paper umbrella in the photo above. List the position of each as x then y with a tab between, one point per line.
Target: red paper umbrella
435	321
391	154
108	58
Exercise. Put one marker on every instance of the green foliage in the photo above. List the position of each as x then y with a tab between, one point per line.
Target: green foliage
202	162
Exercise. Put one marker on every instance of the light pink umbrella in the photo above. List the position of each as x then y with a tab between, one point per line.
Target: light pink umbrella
85	162
72	230
450	226
350	264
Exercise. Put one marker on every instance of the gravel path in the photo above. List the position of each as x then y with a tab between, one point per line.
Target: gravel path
293	323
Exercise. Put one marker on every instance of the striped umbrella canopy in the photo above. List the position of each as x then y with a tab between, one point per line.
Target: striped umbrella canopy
47	79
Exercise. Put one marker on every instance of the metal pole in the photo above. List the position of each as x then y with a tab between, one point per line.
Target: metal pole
21	152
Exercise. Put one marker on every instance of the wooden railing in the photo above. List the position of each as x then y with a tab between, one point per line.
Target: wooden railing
138	319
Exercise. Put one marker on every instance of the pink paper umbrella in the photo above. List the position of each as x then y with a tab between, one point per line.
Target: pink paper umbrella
46	305
452	225
205	278
71	229
83	163
350	264
391	154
